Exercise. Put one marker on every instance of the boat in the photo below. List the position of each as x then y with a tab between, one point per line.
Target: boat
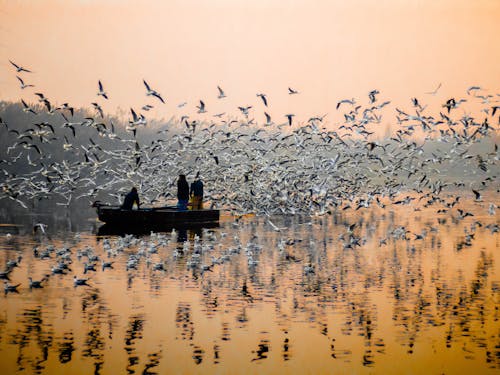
154	218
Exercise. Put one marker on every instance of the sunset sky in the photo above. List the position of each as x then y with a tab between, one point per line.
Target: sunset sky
327	50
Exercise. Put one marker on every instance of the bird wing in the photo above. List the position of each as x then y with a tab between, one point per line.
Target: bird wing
16	66
159	97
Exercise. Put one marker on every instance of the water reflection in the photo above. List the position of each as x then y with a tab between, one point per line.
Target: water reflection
362	289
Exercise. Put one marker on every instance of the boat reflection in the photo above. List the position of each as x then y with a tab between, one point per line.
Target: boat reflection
183	232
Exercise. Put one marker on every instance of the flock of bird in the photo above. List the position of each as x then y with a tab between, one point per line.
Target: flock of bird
288	167
428	162
256	260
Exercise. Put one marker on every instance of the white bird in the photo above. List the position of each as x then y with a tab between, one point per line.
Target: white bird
292	91
268	118
435	91
473	88
27	108
263	97
151	92
23	85
347	101
101	91
201	107
245	110
221	93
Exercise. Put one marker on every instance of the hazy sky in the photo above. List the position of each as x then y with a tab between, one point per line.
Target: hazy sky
327	50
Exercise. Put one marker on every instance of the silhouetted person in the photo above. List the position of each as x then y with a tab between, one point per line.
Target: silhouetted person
182	192
196	193
131	198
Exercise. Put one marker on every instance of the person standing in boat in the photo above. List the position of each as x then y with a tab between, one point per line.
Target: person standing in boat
182	192
196	193
131	198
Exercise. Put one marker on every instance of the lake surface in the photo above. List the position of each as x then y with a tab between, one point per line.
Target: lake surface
400	289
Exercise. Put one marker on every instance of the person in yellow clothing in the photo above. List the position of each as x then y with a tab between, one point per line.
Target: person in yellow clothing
196	193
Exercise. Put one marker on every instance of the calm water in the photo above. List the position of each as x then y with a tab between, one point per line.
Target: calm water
403	290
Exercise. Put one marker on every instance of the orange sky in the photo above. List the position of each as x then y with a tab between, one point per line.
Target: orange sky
328	50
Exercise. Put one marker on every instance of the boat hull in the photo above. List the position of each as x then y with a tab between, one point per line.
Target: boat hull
151	218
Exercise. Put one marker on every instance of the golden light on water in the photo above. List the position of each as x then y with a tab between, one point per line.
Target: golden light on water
427	305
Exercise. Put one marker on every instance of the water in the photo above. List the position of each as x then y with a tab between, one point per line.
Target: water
403	290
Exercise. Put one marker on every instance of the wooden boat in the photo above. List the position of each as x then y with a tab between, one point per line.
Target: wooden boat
156	217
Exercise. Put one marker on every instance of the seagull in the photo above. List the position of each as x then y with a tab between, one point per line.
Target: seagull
23	85
263	97
27	108
347	101
371	95
151	92
137	120
67	107
20	68
245	110
201	107
473	88
292	91
101	91
98	108
268	118
435	91
450	103
221	93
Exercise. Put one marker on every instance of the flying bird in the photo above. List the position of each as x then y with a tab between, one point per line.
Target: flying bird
20	68
289	117
201	107
221	93
450	103
435	91
268	118
27	108
346	101
292	91
23	85
98	108
263	97
151	92
473	88
245	110
371	95
102	92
